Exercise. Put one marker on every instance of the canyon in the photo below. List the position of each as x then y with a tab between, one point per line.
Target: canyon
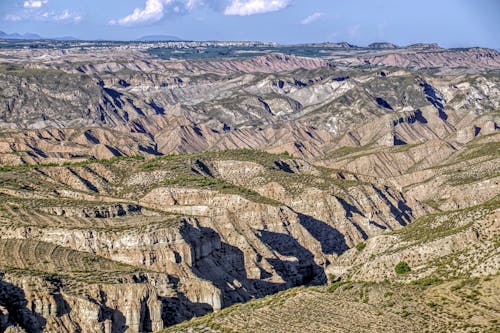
140	193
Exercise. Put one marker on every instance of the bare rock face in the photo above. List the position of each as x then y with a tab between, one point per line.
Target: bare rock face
259	223
128	307
85	302
436	58
96	212
457	243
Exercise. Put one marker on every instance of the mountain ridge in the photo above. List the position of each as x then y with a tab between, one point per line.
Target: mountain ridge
153	38
33	36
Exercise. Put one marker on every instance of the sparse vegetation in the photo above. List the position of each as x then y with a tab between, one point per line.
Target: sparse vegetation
427	281
391	306
402	267
335	285
360	246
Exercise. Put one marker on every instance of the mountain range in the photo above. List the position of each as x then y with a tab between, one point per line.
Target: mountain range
32	36
157	38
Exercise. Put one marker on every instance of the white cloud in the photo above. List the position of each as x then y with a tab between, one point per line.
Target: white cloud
312	18
13	18
152	12
34	10
155	10
192	4
65	16
252	7
34	3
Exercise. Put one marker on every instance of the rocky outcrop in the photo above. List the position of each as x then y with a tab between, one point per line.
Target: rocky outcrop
37	304
446	245
97	212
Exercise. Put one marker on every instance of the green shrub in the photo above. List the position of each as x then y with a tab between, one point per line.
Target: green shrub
402	267
348	286
333	286
427	281
432	305
405	313
360	246
286	154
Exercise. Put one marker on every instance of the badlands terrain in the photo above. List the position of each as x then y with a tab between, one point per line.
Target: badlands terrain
244	187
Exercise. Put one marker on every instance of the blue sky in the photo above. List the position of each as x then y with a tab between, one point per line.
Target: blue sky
451	23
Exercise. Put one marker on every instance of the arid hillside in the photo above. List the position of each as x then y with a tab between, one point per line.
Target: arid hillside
352	192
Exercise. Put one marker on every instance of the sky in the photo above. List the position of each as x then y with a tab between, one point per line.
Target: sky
450	23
